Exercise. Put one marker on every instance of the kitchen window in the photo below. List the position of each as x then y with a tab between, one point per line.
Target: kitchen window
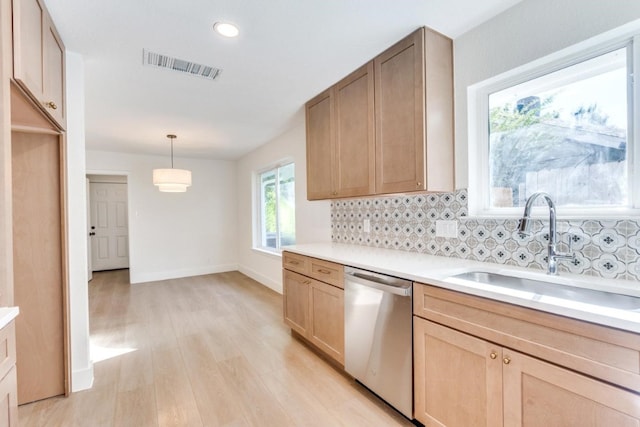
565	127
276	207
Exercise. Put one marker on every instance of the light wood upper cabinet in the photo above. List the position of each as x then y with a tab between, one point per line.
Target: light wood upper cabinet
340	138
388	126
355	134
38	57
54	88
28	44
320	141
414	115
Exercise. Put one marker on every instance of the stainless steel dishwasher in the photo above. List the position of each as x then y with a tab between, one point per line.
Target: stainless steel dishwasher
378	335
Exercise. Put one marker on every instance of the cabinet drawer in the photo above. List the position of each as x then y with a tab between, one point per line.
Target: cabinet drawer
610	354
7	348
328	272
295	262
325	271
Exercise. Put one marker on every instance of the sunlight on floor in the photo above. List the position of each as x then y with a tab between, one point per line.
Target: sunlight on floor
98	353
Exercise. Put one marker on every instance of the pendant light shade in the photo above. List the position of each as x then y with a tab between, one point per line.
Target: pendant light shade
172	180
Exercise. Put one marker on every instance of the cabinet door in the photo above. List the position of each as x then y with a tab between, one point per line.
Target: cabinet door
9	400
320	137
53	96
38	57
457	378
28	44
355	134
326	328
400	119
537	393
296	301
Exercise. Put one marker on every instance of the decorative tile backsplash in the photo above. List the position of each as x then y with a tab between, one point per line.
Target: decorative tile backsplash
606	248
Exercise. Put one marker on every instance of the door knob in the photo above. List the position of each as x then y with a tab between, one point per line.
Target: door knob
92	234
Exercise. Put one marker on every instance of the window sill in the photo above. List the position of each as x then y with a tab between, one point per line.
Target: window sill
270	253
561	214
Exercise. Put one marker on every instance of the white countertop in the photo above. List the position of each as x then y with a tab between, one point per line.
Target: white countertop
7	314
435	270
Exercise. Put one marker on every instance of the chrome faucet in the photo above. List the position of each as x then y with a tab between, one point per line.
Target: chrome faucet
524	227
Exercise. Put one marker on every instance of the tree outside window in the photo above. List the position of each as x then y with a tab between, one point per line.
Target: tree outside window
565	133
277	207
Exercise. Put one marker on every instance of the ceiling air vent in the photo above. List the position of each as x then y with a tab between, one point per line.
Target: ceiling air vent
175	64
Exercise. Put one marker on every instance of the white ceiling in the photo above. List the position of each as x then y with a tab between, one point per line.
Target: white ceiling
287	51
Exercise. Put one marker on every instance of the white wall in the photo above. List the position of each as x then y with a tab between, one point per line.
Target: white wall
312	218
81	366
175	235
528	31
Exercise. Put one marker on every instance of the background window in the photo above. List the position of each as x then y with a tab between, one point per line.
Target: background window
565	133
277	207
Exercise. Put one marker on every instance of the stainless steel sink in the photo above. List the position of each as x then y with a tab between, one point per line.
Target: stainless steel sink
553	290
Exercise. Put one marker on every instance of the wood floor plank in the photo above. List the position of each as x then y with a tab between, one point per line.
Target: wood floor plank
287	388
175	402
203	351
257	403
218	407
136	370
85	412
136	407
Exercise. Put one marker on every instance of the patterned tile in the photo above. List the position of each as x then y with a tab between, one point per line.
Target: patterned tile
606	248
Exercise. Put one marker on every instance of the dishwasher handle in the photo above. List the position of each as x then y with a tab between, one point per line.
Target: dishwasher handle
403	288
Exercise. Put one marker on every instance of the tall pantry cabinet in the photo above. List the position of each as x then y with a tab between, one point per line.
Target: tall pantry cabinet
33	252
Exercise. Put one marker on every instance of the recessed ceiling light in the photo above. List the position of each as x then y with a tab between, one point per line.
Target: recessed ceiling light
226	29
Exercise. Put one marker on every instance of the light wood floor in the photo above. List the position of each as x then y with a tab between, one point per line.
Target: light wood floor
203	351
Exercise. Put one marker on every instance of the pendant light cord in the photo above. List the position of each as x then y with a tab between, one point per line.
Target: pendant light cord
171	138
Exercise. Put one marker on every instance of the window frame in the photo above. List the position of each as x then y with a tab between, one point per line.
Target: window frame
258	206
478	124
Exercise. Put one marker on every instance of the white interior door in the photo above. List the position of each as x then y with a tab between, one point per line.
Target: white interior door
110	244
89	264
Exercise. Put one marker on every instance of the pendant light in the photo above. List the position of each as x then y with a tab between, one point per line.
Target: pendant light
172	180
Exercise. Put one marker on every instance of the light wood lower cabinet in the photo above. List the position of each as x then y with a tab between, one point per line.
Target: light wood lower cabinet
456	381
539	394
462	380
9	399
313	302
326	325
296	301
8	379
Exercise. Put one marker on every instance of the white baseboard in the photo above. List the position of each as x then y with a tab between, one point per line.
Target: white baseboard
82	379
276	285
154	276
